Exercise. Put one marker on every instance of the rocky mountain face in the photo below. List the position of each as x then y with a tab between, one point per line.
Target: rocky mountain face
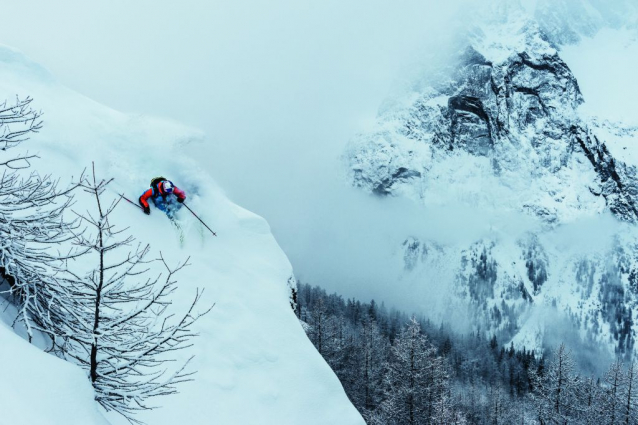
498	129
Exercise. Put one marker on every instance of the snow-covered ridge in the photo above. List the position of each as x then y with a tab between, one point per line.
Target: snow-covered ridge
500	131
254	362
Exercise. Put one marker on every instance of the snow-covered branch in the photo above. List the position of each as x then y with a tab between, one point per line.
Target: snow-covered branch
117	325
31	220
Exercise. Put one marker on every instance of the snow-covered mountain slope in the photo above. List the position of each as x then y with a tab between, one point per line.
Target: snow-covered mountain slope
499	130
254	362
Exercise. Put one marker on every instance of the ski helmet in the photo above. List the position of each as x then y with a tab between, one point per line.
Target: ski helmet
167	186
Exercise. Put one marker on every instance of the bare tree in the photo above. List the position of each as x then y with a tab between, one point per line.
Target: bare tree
31	223
117	325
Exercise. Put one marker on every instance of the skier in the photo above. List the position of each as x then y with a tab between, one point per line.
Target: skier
161	192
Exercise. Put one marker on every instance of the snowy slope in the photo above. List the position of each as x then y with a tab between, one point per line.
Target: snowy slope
503	131
38	388
255	364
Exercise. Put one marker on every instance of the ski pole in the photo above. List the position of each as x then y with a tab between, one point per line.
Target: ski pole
192	212
131	202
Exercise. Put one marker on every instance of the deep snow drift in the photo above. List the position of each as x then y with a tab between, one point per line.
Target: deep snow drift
254	362
38	388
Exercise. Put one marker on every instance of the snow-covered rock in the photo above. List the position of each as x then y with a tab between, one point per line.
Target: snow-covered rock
508	110
254	362
499	129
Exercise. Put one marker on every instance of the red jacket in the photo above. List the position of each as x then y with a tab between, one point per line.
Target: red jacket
152	193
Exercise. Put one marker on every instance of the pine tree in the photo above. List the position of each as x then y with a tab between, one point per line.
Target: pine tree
372	348
497	405
556	391
416	382
320	327
612	401
630	395
590	400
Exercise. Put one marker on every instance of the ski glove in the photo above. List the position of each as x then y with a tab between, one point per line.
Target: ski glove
147	210
180	200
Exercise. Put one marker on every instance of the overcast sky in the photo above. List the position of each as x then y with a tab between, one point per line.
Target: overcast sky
279	87
272	83
263	64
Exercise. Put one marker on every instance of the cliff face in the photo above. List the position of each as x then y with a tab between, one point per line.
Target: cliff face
500	131
511	109
251	349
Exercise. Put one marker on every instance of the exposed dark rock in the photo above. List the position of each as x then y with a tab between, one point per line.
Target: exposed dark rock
618	182
384	187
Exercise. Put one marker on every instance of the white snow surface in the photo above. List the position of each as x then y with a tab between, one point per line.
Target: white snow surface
38	388
255	364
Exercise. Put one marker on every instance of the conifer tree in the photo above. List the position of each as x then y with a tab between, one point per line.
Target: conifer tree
556	391
372	348
591	397
612	401
416	382
630	395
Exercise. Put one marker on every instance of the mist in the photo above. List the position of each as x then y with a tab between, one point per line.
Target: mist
279	88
